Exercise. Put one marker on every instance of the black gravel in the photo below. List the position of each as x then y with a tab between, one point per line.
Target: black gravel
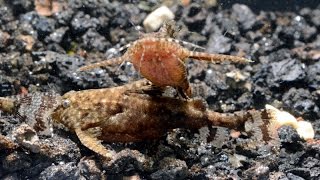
285	48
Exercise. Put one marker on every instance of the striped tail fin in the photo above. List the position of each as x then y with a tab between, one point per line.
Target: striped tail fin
109	62
217	58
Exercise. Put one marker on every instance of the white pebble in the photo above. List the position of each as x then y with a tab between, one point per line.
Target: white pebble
157	17
305	130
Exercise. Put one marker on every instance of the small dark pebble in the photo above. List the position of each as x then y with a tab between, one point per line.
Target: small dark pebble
128	162
64	17
288	70
6	89
215	80
61	171
65	67
13	176
301	172
6	14
288	135
259	171
269	44
206	160
89	169
94	41
291	176
229	26
277	76
278	55
43	25
313	75
296	29
4	39
82	22
219	44
20	6
171	168
314	17
195	17
245	17
302	101
56	36
16	161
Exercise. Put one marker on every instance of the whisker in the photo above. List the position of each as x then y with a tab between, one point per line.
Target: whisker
109	62
192	45
182	43
122	48
218	58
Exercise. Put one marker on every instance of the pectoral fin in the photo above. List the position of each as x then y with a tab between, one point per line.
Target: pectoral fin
94	144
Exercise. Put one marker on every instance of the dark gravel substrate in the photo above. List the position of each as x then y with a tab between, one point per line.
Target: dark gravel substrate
39	53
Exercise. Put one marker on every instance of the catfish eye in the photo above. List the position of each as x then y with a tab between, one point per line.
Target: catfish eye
66	103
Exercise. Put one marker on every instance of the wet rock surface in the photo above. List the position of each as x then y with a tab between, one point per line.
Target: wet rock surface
42	53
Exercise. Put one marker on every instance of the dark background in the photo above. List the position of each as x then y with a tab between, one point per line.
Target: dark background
273	5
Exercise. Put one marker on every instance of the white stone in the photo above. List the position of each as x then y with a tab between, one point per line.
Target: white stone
305	130
157	17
